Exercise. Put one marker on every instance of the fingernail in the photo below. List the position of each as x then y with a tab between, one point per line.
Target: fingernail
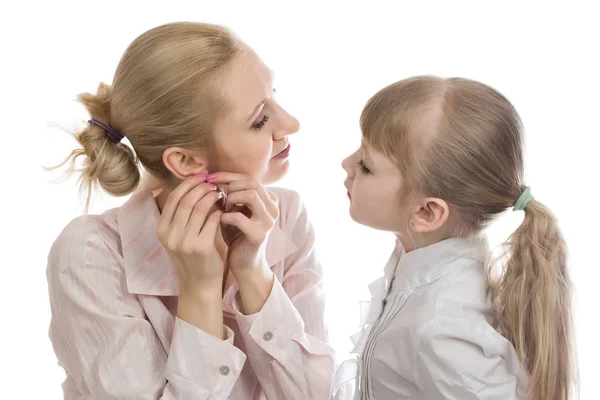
211	177
201	175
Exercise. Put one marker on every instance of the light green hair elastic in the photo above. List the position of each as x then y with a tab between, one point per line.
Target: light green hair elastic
523	199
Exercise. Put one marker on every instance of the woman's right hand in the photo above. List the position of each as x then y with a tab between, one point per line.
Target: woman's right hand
187	228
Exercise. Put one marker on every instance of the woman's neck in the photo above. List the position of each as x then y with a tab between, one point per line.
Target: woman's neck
161	196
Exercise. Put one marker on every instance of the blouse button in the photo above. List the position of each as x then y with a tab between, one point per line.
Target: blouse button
224	370
268	336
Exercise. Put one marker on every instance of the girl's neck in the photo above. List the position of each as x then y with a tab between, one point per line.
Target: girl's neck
413	241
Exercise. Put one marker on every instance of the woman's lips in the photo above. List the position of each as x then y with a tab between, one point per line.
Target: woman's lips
284	153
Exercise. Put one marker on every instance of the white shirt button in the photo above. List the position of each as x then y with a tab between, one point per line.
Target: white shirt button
268	336
224	370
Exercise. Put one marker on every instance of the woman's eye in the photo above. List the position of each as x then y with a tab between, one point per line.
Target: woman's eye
260	124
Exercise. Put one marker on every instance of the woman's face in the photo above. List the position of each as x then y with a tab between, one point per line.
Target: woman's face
252	138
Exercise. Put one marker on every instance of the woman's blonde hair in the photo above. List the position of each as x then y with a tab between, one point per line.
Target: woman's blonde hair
461	141
164	94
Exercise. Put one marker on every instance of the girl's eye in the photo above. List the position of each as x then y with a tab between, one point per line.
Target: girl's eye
362	167
260	124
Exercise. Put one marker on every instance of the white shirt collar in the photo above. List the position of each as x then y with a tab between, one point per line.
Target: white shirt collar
424	265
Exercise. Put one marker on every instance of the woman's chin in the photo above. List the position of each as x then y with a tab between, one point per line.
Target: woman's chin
275	173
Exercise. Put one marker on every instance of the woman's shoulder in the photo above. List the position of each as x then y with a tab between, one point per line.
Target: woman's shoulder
91	226
86	267
84	237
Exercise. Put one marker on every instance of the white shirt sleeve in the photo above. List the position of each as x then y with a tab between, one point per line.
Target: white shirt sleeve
108	347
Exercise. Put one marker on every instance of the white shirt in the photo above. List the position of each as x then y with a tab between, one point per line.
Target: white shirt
429	334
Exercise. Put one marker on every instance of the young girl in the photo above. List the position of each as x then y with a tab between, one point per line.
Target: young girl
440	158
169	296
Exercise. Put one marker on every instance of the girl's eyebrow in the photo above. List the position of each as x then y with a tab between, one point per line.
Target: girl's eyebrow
365	150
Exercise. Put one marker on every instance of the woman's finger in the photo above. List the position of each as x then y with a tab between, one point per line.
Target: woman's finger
168	212
228	177
188	203
210	228
266	198
243	223
220	243
200	213
250	199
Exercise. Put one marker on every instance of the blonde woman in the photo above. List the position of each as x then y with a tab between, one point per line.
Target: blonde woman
184	293
439	160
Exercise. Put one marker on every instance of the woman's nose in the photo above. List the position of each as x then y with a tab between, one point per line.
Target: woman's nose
287	125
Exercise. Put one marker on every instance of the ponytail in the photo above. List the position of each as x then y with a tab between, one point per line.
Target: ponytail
533	302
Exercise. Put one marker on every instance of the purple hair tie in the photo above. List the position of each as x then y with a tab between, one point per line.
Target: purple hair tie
112	134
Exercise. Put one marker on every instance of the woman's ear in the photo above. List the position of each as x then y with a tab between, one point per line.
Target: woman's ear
432	214
183	162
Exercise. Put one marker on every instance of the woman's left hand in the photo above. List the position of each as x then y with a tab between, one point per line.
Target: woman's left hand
250	213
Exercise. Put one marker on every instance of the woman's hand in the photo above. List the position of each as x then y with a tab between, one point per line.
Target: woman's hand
250	213
188	229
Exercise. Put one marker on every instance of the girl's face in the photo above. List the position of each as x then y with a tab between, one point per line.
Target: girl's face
253	138
379	199
374	185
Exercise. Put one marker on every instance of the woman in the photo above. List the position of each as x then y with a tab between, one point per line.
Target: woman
188	294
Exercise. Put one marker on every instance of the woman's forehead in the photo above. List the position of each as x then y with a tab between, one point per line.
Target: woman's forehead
247	83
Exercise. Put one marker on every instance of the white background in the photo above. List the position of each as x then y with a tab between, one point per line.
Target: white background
329	58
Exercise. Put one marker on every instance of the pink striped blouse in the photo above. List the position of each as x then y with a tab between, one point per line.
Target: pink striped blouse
113	295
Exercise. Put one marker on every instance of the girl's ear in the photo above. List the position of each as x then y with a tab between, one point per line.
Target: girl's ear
432	214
